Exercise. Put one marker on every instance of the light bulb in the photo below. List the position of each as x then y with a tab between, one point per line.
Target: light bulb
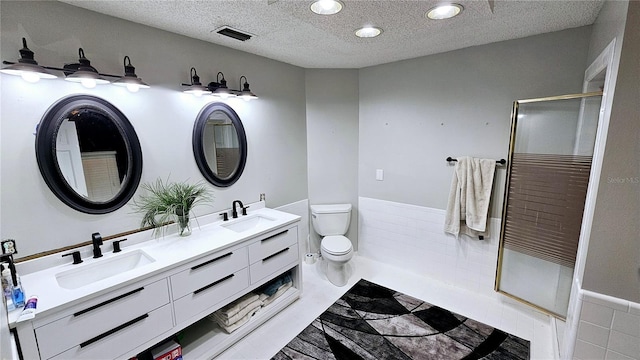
133	87
444	12
88	83
326	4
30	76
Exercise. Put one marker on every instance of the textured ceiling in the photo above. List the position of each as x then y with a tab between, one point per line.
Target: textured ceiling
286	30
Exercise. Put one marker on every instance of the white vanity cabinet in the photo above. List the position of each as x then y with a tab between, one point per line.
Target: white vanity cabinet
109	324
208	281
177	298
272	253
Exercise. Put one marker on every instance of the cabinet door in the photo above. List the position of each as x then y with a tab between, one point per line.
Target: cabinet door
209	298
116	342
101	315
275	262
206	270
272	243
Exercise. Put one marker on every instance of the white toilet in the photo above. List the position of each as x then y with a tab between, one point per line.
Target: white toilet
332	222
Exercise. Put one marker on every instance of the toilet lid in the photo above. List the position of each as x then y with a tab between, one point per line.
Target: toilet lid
336	245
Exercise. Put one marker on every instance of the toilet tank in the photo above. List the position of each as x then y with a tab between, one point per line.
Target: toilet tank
331	219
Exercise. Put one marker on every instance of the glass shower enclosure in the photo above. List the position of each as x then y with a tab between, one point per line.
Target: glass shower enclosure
550	154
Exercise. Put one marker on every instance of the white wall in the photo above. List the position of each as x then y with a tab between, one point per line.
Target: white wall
411	237
332	142
613	260
162	116
415	113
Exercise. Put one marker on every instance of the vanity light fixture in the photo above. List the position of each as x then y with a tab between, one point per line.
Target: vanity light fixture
445	11
83	72
27	67
326	7
196	88
219	87
130	80
246	93
80	72
368	32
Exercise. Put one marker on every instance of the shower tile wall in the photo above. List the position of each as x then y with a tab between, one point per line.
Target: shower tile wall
609	328
412	237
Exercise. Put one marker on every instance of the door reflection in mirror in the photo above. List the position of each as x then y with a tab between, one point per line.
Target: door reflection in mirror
221	147
91	154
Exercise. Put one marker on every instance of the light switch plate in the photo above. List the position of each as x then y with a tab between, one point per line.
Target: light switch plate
379	174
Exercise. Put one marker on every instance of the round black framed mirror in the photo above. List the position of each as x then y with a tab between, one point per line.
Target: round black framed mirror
89	154
219	144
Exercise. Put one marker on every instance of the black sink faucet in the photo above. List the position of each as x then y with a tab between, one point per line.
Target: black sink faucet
97	241
234	213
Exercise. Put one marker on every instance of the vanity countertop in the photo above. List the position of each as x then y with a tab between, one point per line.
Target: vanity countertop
168	251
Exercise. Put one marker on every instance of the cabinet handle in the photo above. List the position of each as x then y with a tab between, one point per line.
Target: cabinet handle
211	261
114	330
108	301
213	284
276	254
272	236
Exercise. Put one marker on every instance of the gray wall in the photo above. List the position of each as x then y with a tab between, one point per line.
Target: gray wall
415	113
332	141
163	117
613	258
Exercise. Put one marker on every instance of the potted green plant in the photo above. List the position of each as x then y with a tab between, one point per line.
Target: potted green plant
165	202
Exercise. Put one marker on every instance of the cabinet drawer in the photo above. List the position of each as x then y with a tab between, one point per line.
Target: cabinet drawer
272	263
125	337
272	244
210	295
101	315
206	270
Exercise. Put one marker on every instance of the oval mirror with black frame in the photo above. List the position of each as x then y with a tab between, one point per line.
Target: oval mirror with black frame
219	144
89	154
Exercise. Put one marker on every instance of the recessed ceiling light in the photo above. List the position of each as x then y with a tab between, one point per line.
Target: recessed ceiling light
444	11
326	7
368	32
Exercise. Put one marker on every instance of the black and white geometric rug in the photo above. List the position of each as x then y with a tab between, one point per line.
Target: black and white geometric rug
373	322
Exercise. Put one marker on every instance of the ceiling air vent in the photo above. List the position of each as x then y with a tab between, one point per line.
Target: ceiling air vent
232	33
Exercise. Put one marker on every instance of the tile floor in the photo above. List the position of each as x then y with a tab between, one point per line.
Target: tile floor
318	294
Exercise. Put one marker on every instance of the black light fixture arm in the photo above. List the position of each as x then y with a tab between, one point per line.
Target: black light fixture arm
195	79
129	70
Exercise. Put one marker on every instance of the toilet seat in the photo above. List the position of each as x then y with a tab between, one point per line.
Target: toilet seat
336	245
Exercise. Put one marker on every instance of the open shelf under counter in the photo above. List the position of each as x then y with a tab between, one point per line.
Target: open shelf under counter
205	339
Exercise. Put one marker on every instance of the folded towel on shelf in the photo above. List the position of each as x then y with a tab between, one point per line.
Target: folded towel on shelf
469	197
234	307
233	327
228	320
266	299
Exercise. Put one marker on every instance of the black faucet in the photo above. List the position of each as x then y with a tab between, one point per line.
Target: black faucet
234	213
97	241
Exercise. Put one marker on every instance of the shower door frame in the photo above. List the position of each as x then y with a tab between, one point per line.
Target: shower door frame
512	138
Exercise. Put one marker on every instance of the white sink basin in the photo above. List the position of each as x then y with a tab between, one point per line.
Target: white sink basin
248	223
102	269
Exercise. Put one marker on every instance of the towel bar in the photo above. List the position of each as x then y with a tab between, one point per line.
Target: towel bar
501	161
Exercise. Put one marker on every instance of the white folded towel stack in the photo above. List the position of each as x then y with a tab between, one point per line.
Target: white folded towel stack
237	313
469	197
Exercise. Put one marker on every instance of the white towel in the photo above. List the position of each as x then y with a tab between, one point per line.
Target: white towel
230	320
238	305
231	328
469	197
